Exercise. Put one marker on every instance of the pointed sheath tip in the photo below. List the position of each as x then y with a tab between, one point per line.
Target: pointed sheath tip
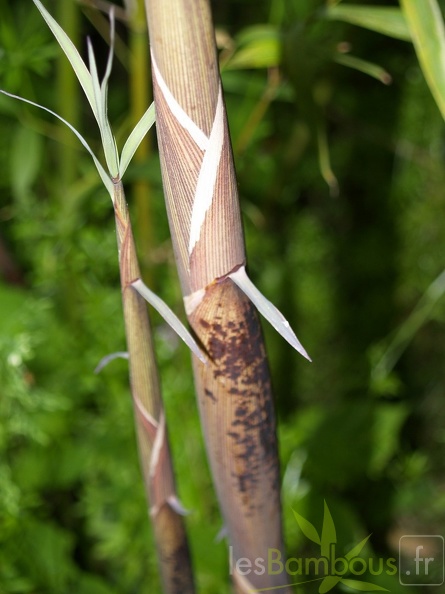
169	316
299	347
267	309
305	355
177	506
292	339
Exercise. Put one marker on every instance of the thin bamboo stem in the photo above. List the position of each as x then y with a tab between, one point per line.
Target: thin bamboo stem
165	510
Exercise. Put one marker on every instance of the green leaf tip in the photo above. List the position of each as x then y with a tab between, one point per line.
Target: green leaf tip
95	92
136	137
71	53
364	66
100	91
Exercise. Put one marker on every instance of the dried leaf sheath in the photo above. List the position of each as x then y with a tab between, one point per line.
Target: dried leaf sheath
221	220
236	405
171	540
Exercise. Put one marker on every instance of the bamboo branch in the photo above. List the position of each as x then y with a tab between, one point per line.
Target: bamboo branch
154	452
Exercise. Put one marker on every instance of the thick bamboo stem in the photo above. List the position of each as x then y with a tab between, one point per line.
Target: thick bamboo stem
233	389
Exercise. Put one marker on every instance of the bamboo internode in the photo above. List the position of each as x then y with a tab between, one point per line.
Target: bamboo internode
233	389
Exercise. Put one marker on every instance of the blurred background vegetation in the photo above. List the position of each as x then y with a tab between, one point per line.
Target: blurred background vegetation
342	191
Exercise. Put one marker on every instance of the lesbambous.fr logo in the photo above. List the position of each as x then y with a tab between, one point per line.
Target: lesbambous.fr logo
328	568
331	569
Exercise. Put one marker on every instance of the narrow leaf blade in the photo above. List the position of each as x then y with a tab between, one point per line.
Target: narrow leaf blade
259	47
94	78
136	137
267	309
110	52
110	148
381	19
108	142
426	24
103	174
364	66
71	53
171	318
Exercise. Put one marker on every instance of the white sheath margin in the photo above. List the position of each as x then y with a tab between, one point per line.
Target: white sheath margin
202	201
210	145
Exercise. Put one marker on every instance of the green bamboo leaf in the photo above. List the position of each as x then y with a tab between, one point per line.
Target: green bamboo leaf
257	33
267	309
110	53
71	53
108	136
258	47
307	528
94	80
426	24
94	91
113	157
328	533
363	586
108	142
329	582
354	552
364	66
171	318
136	137
382	19
103	174
259	54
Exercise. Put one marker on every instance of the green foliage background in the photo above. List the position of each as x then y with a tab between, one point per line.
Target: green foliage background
362	427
